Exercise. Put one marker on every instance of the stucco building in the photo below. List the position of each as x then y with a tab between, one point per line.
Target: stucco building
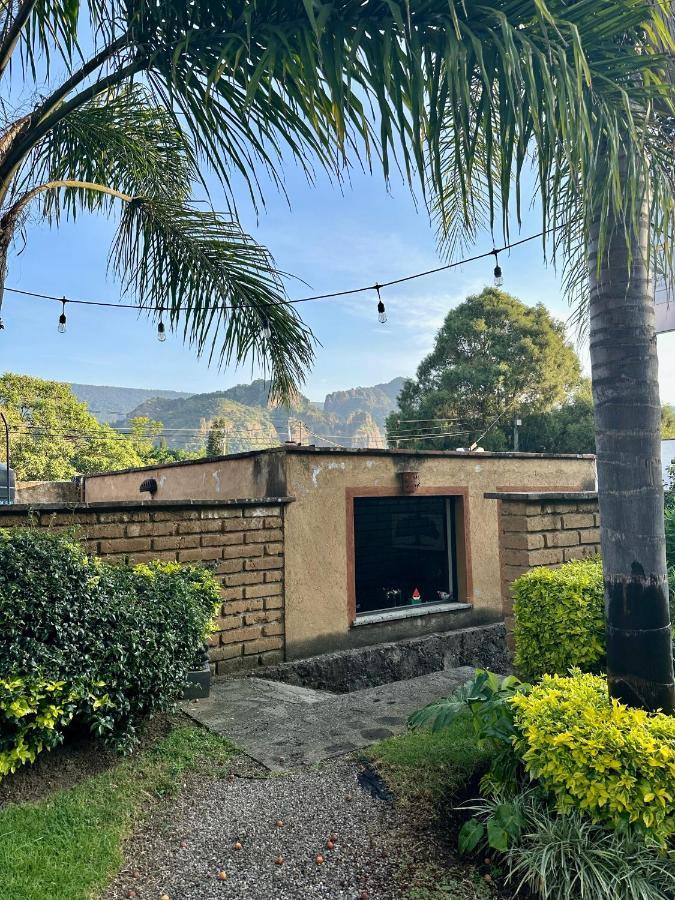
322	549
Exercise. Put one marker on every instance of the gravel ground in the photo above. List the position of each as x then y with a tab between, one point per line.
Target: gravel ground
188	841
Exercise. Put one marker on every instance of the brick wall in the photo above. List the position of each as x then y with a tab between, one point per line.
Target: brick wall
543	529
241	541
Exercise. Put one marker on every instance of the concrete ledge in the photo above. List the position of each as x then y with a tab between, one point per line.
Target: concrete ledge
141	505
408	612
345	671
543	496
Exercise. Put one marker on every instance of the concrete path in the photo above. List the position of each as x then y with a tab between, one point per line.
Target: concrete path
283	726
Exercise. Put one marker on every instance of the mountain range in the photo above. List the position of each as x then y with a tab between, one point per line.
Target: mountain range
249	420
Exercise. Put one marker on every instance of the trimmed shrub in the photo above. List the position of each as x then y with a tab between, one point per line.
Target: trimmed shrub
559	619
593	754
73	618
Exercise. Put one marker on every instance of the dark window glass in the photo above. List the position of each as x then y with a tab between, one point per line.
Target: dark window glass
403	551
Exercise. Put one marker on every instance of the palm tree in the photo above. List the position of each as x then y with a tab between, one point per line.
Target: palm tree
585	90
463	93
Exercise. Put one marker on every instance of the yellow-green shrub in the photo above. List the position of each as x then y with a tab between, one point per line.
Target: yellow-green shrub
559	619
33	714
596	755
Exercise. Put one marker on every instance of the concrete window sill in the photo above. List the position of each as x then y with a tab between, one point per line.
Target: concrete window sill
408	612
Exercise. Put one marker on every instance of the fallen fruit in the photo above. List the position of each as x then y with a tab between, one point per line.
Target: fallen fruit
183	845
238	845
279	823
487	877
364	895
279	860
222	875
348	797
319	859
329	845
165	897
131	893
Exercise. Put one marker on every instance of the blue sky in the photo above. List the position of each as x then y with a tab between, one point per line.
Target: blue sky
331	238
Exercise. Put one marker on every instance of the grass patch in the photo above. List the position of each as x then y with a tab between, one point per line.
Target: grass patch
430	774
69	845
422	767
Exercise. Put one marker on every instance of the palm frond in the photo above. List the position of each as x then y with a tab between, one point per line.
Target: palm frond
42	29
215	283
120	140
586	91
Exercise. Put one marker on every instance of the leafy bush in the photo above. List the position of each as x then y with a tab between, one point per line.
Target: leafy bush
559	619
613	763
33	714
567	857
73	618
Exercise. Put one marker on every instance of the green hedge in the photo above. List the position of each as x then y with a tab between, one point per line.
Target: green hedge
121	638
559	619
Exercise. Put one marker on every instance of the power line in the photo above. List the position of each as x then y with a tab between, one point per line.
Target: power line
335	294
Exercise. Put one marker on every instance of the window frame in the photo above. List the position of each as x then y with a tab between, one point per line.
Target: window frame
460	534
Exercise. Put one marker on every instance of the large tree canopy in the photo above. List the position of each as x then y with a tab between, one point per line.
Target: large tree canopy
494	357
54	436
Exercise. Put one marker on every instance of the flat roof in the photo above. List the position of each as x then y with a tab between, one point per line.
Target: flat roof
303	449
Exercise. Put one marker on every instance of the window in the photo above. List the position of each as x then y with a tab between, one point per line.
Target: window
404	549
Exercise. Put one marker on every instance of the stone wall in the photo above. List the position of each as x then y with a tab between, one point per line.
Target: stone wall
241	541
543	529
32	492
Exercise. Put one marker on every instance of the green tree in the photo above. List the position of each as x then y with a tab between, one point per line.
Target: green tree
216	441
53	435
494	358
147	439
569	428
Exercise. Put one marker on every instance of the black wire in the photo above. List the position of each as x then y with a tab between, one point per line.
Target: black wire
349	291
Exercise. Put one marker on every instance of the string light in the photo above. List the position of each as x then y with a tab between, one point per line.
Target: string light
382	315
62	317
381	312
161	330
499	278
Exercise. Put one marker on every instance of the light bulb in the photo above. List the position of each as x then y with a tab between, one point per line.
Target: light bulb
499	278
266	331
62	318
161	331
381	313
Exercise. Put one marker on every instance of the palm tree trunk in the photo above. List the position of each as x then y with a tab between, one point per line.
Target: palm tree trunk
628	441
